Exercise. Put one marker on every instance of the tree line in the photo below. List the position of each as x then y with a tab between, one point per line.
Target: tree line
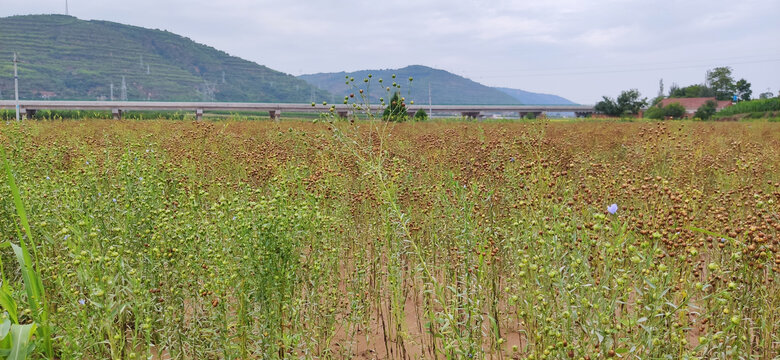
720	84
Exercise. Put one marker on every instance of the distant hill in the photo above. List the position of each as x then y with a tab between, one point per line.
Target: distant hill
446	88
531	98
67	58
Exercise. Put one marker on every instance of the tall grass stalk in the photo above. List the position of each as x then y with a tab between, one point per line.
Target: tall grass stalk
36	294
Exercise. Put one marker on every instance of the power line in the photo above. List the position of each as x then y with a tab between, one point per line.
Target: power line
663	63
626	70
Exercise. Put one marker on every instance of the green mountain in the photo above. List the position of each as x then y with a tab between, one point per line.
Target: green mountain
532	98
445	88
62	57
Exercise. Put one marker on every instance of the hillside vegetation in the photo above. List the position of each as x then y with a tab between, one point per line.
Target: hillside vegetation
67	58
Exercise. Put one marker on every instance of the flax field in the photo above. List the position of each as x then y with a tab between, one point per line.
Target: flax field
173	239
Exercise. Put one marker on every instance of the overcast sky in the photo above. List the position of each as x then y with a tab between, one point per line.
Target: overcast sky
578	49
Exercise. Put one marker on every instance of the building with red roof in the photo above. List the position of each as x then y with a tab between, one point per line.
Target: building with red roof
693	104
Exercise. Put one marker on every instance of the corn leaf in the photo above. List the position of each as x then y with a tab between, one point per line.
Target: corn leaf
8	303
20	341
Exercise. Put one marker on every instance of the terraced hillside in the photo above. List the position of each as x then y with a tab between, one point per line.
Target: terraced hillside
67	58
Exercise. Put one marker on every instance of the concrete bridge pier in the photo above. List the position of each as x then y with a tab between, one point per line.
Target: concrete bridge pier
471	114
30	113
198	114
116	113
275	114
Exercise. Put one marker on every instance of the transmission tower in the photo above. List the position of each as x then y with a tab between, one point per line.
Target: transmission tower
223	77
206	90
147	69
112	91
16	87
124	89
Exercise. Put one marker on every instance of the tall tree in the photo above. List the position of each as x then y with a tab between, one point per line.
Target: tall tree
629	101
743	90
674	89
720	80
660	95
691	91
607	106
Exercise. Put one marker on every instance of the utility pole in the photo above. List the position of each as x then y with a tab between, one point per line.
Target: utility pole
16	87
124	89
430	106
147	69
112	91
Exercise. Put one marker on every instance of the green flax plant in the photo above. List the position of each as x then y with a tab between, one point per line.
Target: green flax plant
455	314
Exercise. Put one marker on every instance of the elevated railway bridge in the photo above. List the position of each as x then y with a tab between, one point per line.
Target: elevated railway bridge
275	110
